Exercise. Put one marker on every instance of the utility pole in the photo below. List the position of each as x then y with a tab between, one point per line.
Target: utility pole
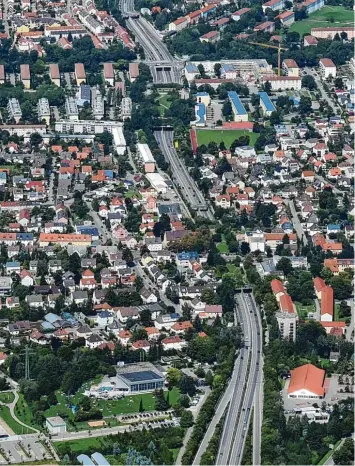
27	362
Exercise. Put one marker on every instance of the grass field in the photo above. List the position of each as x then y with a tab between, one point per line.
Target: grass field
79	445
7	397
303	311
204	136
222	248
129	404
336	314
10	421
163	103
323	17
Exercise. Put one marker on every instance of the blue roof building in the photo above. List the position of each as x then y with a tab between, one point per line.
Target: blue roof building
100	459
266	104
191	68
240	114
333	228
200	112
85	460
187	255
51	317
87	230
24	236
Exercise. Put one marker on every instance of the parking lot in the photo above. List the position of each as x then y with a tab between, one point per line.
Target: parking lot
27	449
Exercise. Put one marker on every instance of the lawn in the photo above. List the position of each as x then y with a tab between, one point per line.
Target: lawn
10	421
204	136
7	397
79	445
222	248
14	170
109	408
322	17
23	412
129	194
163	103
303	311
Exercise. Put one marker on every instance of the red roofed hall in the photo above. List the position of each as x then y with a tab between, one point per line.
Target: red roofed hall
327	304
306	382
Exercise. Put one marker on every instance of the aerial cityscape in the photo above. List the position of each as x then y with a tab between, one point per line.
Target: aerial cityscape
176	232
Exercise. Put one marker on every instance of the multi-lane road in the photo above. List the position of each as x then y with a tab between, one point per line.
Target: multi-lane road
165	69
248	384
181	176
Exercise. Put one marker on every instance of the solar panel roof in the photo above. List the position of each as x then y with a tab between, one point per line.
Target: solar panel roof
141	376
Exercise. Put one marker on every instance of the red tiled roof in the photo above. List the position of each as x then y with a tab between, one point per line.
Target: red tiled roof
307	377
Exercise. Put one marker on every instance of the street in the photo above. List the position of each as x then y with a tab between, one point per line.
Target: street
295	220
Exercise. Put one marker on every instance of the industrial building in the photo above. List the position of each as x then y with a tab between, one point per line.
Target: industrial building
146	157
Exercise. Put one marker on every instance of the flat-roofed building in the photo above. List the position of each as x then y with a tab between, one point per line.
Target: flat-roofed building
98	104
2	74
146	157
126	108
306	382
80	75
267	106
290	67
133	71
239	112
56	425
25	75
109	74
71	109
327	68
54	74
44	112
331	32
14	109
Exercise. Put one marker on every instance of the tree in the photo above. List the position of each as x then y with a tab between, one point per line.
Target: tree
173	377
186	419
36	139
266	87
161	403
345	454
309	82
341	286
187	385
146	318
127	255
141	407
285	265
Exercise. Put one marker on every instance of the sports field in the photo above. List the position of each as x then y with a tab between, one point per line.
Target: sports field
328	16
204	136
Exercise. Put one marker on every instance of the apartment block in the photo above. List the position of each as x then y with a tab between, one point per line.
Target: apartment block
43	109
14	109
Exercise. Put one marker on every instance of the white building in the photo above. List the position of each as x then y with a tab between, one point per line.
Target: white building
157	182
43	109
14	109
146	156
126	108
283	83
56	425
98	104
71	109
327	68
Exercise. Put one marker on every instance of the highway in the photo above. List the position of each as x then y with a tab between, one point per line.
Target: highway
247	388
181	176
164	68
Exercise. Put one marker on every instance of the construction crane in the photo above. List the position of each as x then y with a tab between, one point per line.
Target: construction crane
278	48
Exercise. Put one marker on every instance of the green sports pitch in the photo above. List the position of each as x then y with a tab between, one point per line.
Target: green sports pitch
328	16
205	136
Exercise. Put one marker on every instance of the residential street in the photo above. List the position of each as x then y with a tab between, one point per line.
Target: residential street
295	220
